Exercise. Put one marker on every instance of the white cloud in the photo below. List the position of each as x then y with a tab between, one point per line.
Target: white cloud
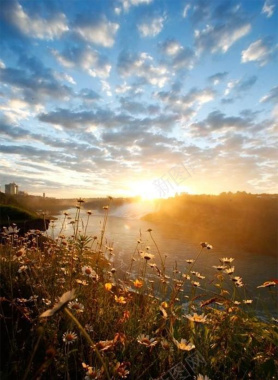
220	38
88	59
230	86
272	96
122	88
185	11
141	66
16	109
171	47
128	3
257	51
151	28
98	31
64	77
105	86
268	8
38	27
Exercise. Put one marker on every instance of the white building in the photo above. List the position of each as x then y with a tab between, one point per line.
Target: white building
11	188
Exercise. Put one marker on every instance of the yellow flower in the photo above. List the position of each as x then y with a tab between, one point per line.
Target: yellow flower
120	300
108	286
164	304
138	284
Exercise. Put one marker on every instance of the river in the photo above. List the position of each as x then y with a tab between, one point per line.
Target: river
124	227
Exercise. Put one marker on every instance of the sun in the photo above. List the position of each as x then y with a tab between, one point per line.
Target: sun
146	190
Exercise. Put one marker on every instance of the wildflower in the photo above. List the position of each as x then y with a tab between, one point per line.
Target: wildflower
125	317
66	297
206	245
120	337
186	276
105	207
219	267
89	327
89	212
267	284
164	304
196	318
201	377
46	301
190	261
229	270
76	306
138	284
22	269
184	345
105	345
20	253
121	370
120	300
146	341
69	337
82	282
248	302
147	256
236	279
113	270
195	283
198	275
226	260
108	286
88	271
237	302
92	373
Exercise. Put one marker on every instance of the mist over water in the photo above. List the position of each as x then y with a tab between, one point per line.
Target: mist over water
125	227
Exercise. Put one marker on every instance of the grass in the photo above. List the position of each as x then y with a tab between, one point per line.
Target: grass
66	314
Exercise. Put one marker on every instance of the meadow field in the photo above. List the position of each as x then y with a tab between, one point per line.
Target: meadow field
67	314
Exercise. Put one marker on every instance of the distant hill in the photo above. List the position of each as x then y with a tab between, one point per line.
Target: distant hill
13	211
241	220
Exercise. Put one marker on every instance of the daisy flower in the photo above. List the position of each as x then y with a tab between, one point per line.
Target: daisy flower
226	260
69	337
184	345
76	306
146	341
247	302
88	271
267	284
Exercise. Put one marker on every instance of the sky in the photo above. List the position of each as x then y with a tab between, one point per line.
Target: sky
138	97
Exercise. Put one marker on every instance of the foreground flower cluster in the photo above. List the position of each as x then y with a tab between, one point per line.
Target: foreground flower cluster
66	312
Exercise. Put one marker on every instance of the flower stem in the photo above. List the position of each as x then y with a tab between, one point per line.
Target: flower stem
89	340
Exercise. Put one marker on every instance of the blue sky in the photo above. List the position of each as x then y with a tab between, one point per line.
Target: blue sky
114	96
